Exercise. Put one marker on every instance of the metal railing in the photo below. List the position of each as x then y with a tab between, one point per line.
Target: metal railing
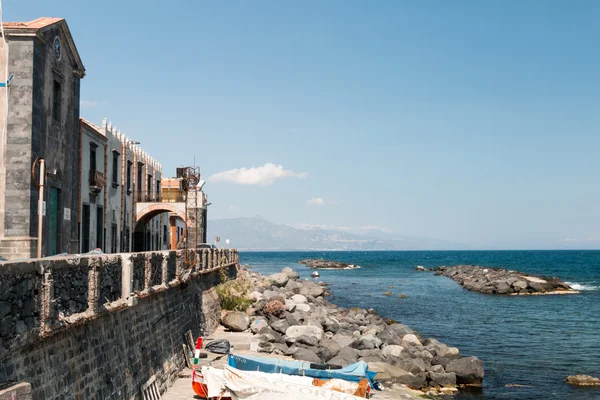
97	180
148	197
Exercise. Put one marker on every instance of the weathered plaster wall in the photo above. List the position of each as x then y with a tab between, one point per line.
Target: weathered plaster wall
110	349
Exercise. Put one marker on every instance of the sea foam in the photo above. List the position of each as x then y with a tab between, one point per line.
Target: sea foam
578	286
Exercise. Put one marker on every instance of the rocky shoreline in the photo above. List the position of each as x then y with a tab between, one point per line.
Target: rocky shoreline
503	282
291	317
327	264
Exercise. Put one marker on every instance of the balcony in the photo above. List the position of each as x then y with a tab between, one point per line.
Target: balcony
97	181
147	197
166	196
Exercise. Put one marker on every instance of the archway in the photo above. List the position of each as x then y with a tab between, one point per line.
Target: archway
146	237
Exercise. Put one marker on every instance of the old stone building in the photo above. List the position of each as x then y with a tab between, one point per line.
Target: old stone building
39	119
115	175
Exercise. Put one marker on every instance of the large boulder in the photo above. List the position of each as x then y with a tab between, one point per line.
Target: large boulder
346	356
392	350
280	279
258	324
291	274
280	325
311	289
410	340
306	355
371	355
299	299
343	340
331	345
412	365
394	333
236	321
269	335
274	307
307	330
306	340
444	379
468	370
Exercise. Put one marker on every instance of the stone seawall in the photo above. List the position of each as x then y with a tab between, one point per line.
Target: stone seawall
81	328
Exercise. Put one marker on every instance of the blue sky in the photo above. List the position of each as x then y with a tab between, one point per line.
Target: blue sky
469	121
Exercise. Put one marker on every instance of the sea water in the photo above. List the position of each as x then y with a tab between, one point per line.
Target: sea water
528	344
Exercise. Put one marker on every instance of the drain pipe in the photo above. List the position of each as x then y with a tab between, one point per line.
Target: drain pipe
41	206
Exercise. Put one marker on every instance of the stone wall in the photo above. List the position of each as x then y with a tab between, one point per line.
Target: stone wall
111	348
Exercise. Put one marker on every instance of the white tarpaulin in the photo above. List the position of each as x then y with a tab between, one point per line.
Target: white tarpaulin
215	381
243	385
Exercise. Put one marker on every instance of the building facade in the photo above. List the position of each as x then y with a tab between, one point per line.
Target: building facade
115	175
39	120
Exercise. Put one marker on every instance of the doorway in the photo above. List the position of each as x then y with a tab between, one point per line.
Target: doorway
53	222
85	229
100	228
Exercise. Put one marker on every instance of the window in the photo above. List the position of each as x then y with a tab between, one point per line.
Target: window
93	157
115	169
129	164
56	100
157	190
139	177
149	187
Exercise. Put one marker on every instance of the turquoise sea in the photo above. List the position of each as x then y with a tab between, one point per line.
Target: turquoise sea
534	342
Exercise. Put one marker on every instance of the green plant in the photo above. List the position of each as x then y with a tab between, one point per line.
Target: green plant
233	294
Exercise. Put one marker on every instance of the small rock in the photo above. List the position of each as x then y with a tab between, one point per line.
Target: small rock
583	380
388	293
420	268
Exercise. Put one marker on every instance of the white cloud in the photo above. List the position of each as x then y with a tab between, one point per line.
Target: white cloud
265	175
89	104
375	228
310	227
316	201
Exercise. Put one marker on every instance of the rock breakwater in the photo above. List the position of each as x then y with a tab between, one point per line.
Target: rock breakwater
291	317
502	281
327	264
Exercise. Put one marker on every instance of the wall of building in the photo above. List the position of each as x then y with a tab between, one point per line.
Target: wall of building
56	140
90	138
33	132
105	337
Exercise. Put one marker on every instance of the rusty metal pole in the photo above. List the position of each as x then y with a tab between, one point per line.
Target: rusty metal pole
41	207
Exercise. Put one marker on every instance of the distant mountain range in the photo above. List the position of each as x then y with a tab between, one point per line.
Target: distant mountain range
259	234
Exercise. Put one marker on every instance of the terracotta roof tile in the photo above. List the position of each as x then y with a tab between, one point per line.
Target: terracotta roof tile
32	25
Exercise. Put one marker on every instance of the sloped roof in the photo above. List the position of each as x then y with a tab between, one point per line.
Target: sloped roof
93	128
37	27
